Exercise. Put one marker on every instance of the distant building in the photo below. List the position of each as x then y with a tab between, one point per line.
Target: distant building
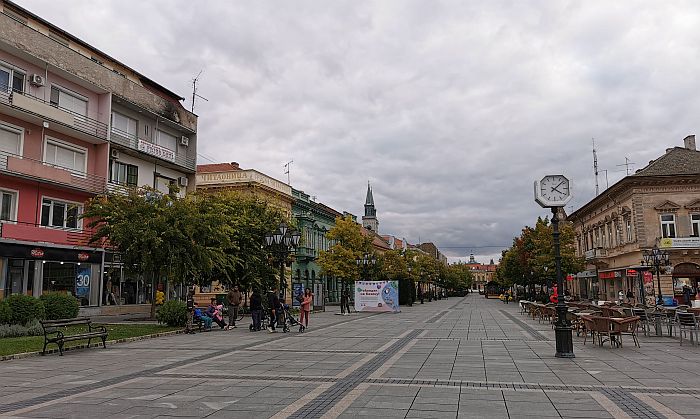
433	251
482	273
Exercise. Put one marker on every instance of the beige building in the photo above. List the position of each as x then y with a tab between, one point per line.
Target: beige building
229	176
657	206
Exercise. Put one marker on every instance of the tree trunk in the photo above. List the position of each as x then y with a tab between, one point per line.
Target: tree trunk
153	294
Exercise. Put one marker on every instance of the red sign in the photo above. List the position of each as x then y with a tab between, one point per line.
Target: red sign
569	277
82	256
648	277
608	275
37	253
631	272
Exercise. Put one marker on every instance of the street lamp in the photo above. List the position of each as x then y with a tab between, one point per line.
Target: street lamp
365	262
656	258
281	243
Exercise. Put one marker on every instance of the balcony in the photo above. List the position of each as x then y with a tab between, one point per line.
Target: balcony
305	253
595	253
39	110
31	232
143	146
23	167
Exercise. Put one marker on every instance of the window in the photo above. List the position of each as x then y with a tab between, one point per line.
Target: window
123	125
66	155
8	209
124	174
10	140
695	225
69	101
166	140
628	229
163	184
597	242
11	79
610	236
59	214
668	225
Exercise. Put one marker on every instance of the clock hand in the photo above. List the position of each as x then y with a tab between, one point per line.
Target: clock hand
555	187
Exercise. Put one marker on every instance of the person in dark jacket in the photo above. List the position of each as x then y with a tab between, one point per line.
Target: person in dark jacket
256	310
273	302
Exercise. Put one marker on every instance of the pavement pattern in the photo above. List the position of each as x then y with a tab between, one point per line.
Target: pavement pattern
457	358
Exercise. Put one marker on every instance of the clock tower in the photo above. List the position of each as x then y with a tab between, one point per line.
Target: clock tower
369	220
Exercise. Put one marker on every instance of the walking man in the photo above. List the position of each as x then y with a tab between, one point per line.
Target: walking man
273	302
256	310
234	297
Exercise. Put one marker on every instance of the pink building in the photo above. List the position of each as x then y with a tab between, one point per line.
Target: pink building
75	123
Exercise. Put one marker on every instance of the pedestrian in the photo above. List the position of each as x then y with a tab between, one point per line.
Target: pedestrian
215	312
554	298
305	308
190	312
256	310
686	294
345	303
234	297
201	316
630	297
273	301
621	297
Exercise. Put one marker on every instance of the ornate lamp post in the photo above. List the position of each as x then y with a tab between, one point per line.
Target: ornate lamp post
281	243
365	262
656	258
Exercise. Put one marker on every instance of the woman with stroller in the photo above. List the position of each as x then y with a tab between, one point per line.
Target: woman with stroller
305	308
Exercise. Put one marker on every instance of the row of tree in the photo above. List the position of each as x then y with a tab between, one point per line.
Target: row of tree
529	262
207	236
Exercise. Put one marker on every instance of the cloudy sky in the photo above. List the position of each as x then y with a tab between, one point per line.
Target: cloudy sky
450	108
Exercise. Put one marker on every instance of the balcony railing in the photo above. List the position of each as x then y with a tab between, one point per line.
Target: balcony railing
17	230
303	252
13	164
595	253
131	141
37	106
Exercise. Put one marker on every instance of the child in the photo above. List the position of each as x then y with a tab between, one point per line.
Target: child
199	315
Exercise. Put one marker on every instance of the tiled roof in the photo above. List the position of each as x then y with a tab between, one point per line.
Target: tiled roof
217	167
677	161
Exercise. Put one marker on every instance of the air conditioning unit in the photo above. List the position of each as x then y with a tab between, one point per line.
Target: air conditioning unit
182	181
114	154
37	80
184	141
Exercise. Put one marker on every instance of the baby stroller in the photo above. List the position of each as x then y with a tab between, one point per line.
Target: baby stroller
289	320
264	319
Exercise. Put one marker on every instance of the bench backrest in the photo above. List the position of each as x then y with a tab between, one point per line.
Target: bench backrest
64	322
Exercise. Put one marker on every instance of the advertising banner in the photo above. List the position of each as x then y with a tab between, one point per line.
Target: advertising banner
82	281
377	296
297	290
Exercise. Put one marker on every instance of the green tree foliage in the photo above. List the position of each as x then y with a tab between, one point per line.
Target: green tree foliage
530	260
339	261
458	277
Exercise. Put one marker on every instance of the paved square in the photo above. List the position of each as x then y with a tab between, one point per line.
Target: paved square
457	358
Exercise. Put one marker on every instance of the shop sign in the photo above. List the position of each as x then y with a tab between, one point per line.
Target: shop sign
680	242
631	272
156	150
82	281
37	253
82	256
609	275
569	277
297	290
648	277
586	274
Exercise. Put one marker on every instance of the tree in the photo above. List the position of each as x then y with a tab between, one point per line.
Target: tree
159	234
339	261
458	277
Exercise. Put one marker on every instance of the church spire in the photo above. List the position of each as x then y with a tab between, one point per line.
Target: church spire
369	220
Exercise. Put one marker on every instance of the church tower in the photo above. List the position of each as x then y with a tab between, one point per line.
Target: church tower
369	220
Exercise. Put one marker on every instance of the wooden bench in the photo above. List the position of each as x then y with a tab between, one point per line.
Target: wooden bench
55	332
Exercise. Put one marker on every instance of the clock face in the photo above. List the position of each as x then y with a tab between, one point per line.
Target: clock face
553	191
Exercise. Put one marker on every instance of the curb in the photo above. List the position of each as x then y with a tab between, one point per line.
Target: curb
85	346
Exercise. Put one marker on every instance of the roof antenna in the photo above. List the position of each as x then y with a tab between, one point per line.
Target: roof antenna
286	170
194	89
595	168
627	165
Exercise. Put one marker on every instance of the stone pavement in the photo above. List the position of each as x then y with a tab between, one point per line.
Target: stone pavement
463	357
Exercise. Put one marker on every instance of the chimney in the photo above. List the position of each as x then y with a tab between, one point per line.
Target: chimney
235	165
689	142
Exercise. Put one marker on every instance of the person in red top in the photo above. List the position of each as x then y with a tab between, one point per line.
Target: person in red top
554	298
305	308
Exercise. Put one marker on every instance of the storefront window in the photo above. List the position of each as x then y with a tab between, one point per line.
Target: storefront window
69	278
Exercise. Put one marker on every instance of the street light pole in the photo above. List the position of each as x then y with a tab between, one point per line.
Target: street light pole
656	258
562	330
281	243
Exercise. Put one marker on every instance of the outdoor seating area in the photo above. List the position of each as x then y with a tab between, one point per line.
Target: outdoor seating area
609	322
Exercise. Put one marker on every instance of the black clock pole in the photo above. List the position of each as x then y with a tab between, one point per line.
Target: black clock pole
562	329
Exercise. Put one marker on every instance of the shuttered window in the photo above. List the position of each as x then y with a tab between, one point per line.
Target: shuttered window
68	101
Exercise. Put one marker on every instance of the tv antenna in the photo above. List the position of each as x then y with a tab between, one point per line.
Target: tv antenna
286	170
627	165
194	90
595	168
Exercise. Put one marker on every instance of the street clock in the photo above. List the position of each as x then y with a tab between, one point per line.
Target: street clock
553	191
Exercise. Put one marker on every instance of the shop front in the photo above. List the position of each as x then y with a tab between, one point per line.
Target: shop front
37	269
685	282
